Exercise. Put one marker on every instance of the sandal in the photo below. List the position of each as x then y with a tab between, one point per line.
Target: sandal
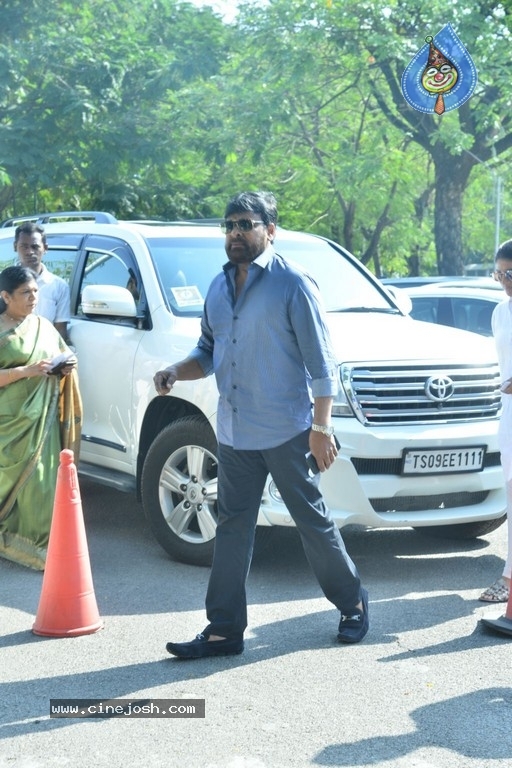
497	592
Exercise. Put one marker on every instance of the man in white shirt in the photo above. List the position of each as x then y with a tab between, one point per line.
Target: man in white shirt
53	297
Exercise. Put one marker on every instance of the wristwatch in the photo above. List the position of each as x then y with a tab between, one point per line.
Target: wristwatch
328	431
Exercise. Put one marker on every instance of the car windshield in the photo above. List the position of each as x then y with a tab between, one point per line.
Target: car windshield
186	266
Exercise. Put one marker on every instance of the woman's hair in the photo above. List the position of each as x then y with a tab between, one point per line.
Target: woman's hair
262	203
504	251
11	278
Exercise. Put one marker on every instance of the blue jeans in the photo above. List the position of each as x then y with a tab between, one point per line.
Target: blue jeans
241	480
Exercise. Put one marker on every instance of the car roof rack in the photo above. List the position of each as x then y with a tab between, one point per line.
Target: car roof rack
177	222
99	217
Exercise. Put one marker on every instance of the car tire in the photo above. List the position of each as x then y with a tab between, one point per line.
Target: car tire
463	530
179	490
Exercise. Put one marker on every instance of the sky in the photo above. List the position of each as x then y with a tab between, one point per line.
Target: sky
227	8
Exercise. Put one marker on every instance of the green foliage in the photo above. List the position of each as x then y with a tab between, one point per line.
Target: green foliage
156	108
84	116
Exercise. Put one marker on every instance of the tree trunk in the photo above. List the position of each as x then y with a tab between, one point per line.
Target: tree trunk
451	180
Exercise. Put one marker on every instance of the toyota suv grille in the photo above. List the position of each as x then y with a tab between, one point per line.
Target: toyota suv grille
400	394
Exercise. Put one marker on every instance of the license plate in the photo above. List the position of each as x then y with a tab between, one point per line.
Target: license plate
435	461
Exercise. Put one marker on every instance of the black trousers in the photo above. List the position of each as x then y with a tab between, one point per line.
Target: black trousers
241	480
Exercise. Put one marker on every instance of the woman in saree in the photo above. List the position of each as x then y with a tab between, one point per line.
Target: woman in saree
40	414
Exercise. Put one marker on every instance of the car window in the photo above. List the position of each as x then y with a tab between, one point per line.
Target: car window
425	308
186	267
61	255
60	262
473	314
7	253
342	284
59	258
467	313
112	267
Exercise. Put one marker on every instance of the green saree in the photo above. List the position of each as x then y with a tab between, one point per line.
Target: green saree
37	415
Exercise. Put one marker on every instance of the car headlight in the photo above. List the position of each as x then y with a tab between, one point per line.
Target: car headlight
340	406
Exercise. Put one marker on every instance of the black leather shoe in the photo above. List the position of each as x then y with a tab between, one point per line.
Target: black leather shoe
200	648
354	625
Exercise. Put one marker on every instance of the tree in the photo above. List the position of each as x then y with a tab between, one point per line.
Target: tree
158	109
387	34
293	118
84	97
323	73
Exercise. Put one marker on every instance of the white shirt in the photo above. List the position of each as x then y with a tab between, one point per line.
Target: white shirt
53	297
502	331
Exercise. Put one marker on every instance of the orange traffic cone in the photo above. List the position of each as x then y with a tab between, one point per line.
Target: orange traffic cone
67	606
503	623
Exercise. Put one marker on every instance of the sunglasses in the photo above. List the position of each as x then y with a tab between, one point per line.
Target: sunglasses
501	276
243	225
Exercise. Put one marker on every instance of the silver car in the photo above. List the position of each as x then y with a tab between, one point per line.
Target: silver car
466	307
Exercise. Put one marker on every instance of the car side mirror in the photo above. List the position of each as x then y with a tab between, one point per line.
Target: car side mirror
108	300
401	299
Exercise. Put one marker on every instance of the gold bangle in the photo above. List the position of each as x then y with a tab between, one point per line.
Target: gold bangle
9	375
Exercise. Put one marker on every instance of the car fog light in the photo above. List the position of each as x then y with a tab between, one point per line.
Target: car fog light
274	493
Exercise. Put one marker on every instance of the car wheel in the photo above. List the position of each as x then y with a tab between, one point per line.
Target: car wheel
179	490
463	530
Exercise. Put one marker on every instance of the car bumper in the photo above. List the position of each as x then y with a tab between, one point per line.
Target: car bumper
391	499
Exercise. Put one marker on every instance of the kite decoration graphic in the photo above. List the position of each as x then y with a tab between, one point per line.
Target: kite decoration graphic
441	76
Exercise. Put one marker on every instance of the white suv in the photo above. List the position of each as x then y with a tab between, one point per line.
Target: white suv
416	414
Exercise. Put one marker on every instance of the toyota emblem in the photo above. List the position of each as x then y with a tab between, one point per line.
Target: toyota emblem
439	388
